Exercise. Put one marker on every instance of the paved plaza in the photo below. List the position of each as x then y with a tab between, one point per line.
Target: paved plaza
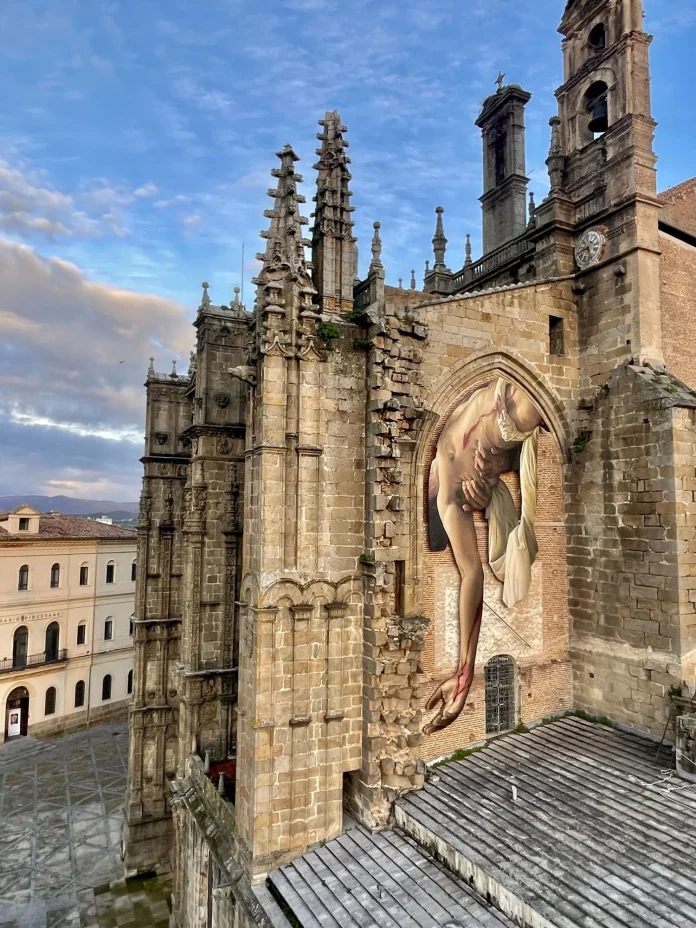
61	811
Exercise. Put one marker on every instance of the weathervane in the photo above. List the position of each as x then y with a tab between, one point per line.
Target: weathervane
499	80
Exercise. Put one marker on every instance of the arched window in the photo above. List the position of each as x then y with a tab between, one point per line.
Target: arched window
55	576
81	633
50	704
23	578
20	644
79	694
106	687
52	641
596	101
108	629
110	571
499	677
134	570
84	574
597	39
130	681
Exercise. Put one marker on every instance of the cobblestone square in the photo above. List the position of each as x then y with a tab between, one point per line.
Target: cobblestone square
61	809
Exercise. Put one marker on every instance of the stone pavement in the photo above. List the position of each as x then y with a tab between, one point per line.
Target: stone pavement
61	809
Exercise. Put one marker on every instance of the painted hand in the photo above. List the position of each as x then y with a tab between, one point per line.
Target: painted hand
449	699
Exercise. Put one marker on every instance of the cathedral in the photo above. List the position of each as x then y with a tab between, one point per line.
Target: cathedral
381	526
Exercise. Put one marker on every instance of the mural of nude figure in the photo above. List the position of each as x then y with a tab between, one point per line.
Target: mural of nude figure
485	436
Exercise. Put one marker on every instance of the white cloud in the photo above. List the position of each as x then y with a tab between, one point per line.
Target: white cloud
147	190
65	338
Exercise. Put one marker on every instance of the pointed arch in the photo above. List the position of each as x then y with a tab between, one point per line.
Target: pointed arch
448	390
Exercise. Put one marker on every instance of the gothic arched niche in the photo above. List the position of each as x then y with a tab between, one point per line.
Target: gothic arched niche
493	552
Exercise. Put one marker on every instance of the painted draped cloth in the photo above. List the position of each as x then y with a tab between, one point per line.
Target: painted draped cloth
512	544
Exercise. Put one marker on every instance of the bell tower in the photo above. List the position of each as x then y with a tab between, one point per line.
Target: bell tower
504	200
602	203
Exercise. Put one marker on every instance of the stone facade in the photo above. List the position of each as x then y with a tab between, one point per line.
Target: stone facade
297	623
64	622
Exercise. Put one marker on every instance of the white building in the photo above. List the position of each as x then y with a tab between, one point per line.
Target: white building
67	587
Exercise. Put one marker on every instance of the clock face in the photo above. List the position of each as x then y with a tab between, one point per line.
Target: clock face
590	248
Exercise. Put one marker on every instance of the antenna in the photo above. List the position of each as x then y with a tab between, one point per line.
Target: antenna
242	296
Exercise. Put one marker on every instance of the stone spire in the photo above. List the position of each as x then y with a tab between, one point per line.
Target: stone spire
284	242
556	159
205	299
467	251
439	242
413	279
333	244
376	263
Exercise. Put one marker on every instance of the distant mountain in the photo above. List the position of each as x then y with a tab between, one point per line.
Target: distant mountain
69	506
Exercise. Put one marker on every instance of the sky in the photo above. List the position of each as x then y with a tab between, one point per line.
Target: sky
136	143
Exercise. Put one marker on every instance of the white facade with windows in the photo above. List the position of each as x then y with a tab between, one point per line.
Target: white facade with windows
66	601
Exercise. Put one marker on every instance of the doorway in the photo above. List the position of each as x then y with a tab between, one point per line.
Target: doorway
52	641
17	712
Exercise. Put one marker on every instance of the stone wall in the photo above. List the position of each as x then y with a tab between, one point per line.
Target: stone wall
471	341
629	496
300	699
677	275
679	206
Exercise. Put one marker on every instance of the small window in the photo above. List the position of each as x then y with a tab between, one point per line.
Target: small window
556	345
597	39
52	642
20	642
499	684
50	704
24	525
134	570
81	633
130	681
23	579
130	627
500	153
110	568
84	575
108	630
400	587
55	576
79	694
106	687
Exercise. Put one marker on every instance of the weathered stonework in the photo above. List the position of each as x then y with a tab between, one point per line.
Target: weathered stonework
298	625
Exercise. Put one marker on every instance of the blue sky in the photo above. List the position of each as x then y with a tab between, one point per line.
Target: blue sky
136	141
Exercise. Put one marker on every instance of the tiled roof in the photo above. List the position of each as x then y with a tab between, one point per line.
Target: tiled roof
382	880
575	823
56	526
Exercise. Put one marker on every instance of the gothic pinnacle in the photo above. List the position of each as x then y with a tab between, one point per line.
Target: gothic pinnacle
467	251
151	368
413	279
439	242
333	259
205	299
376	263
284	242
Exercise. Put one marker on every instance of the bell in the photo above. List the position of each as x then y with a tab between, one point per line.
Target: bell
600	116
